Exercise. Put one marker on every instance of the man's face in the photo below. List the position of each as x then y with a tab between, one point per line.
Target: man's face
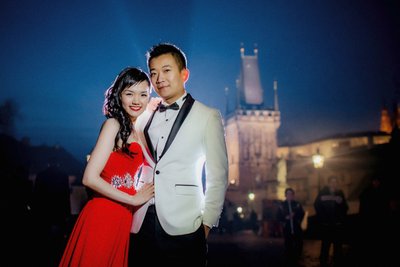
333	184
289	195
166	78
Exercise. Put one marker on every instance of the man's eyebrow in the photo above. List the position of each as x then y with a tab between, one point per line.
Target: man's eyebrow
164	66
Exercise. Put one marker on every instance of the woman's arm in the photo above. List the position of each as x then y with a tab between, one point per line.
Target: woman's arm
98	159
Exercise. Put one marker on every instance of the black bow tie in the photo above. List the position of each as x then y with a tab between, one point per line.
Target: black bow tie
163	107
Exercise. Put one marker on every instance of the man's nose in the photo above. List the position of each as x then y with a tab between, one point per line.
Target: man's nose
160	78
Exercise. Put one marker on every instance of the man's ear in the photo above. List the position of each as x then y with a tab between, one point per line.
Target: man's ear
185	74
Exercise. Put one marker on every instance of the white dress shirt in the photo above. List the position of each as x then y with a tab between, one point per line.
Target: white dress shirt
161	126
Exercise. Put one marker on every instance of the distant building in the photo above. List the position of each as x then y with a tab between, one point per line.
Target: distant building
251	136
386	121
352	158
259	170
390	120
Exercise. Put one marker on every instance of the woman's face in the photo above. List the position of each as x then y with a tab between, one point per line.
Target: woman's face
135	98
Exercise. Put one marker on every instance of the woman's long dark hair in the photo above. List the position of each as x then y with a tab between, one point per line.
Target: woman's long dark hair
112	107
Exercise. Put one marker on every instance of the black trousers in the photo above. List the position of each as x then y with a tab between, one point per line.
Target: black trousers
153	245
331	235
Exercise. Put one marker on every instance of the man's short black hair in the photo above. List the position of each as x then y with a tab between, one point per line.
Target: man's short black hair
167	48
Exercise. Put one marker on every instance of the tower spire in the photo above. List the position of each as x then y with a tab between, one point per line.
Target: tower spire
250	89
276	105
226	101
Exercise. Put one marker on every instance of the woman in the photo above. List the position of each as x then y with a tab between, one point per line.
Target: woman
100	236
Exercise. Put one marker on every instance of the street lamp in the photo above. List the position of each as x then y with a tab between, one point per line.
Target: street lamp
251	196
240	211
318	161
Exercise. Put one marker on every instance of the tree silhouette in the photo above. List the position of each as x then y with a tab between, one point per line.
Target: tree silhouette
8	113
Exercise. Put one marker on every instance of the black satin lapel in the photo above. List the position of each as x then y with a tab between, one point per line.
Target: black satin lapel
186	107
148	140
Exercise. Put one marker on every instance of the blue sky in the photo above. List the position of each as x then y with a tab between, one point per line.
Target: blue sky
336	62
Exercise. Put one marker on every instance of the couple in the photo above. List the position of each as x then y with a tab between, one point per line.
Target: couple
173	211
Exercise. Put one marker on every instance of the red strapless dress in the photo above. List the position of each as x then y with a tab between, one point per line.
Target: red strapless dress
100	236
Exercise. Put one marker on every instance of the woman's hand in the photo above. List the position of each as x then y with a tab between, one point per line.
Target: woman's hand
143	195
153	103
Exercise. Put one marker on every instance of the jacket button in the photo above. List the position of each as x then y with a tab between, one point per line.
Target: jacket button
157	172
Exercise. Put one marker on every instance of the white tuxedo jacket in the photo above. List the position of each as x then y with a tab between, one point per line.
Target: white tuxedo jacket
182	202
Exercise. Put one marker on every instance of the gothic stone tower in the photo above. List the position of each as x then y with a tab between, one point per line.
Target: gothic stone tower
251	135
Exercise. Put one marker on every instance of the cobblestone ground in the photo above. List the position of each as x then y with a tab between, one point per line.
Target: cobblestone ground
247	249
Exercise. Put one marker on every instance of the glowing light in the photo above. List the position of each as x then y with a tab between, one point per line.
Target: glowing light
318	160
251	196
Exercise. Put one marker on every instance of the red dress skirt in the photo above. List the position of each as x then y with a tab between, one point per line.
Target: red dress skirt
100	236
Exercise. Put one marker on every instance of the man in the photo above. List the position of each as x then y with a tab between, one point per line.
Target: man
291	214
179	137
331	210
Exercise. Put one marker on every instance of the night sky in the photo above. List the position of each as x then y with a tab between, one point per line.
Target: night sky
336	62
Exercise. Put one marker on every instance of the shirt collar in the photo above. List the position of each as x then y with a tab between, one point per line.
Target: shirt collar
179	101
